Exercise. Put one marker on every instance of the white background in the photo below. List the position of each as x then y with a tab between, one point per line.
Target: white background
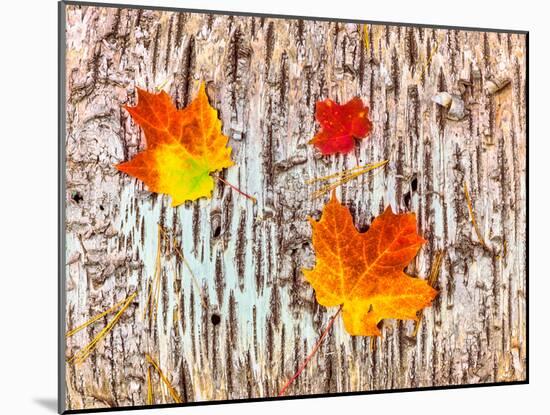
28	207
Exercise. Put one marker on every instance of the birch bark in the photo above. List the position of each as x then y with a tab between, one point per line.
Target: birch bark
243	329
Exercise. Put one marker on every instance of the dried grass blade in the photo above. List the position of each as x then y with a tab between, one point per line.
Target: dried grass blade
432	279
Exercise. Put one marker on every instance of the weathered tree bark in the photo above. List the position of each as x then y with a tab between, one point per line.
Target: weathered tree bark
264	75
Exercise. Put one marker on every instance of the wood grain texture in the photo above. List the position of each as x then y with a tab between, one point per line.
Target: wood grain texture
242	331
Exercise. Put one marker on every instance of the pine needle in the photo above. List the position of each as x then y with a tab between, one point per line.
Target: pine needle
432	279
428	60
149	387
343	177
162	85
82	354
149	294
154	285
169	386
432	53
366	37
94	319
158	273
338	175
180	255
155	300
434	272
473	218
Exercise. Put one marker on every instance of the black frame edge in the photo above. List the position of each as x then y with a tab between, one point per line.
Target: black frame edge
527	58
61	295
293	397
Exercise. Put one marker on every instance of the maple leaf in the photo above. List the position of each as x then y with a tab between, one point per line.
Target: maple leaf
183	146
364	271
340	125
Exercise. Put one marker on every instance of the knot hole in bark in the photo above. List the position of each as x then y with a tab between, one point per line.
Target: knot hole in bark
77	196
215	319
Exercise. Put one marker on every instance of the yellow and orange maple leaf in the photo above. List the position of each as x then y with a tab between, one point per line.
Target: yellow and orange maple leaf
364	272
183	146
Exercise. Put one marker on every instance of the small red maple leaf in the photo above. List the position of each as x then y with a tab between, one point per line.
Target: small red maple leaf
340	125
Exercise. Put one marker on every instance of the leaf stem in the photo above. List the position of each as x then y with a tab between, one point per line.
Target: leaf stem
312	353
254	200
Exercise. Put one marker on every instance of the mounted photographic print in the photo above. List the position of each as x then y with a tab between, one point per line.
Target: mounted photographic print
260	207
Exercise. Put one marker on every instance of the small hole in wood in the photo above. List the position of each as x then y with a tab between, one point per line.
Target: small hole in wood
216	223
407	199
101	208
77	197
216	319
414	184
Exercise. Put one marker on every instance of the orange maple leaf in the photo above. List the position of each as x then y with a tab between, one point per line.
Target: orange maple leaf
183	146
364	271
